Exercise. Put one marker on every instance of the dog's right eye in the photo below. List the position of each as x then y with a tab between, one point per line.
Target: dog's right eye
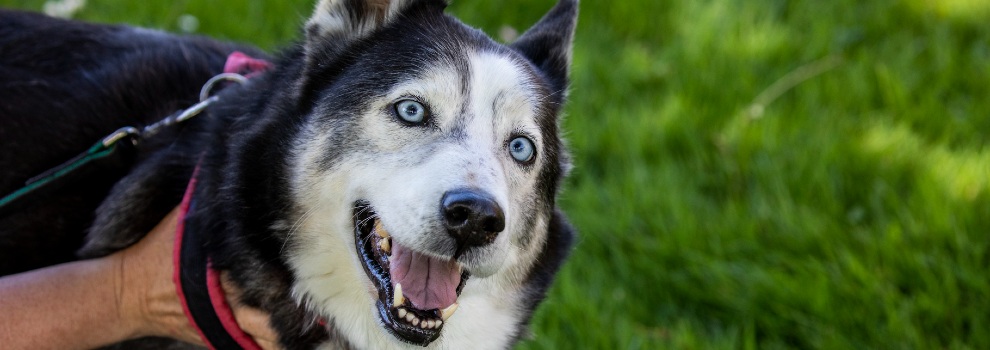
522	149
411	111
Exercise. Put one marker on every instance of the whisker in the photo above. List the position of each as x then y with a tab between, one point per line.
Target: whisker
360	212
366	239
297	225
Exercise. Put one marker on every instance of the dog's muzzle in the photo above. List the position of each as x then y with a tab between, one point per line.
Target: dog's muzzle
417	293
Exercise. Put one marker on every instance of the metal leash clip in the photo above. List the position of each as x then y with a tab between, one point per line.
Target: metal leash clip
110	148
205	100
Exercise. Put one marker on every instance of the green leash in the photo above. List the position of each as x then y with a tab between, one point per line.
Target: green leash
104	149
114	148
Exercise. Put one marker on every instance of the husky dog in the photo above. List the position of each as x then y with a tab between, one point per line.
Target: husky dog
390	183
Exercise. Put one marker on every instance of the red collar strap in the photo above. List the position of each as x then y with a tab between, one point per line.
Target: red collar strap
197	284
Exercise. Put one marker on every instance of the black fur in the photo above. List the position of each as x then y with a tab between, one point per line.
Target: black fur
64	85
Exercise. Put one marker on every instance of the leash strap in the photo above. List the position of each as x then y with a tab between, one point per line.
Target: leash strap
198	285
111	153
116	151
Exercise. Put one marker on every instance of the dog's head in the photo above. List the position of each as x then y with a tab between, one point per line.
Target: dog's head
426	172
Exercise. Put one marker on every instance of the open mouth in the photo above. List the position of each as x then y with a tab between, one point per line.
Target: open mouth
417	293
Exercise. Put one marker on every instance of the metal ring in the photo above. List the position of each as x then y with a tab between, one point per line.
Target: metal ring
234	77
195	109
119	135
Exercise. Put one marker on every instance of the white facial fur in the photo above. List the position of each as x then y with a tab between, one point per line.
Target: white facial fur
403	172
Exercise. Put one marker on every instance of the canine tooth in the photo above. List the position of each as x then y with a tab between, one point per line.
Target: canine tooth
446	313
386	245
402	313
380	230
398	298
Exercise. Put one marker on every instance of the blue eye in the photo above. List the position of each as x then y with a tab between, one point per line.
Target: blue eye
522	149
410	111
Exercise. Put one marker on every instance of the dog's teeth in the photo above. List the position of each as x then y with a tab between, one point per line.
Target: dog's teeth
438	324
410	317
398	298
446	313
380	230
415	321
402	313
386	245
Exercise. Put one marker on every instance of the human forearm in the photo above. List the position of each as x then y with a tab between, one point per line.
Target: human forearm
59	307
129	294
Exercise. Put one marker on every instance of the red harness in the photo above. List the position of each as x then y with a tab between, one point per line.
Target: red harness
196	307
197	284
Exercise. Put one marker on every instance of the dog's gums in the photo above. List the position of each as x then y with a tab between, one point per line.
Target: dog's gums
417	319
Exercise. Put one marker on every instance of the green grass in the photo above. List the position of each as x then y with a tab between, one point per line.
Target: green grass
749	174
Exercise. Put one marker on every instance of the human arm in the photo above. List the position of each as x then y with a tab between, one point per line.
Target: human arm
91	303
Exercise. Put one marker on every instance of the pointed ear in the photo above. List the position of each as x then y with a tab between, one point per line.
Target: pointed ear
548	44
342	21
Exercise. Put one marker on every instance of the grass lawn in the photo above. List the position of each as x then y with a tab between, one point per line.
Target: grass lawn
749	174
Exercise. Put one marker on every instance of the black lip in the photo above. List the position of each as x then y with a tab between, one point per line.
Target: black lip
378	273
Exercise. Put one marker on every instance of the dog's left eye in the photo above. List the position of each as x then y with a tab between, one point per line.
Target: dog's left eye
521	149
410	111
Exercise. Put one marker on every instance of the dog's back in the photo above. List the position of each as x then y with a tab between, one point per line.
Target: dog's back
63	86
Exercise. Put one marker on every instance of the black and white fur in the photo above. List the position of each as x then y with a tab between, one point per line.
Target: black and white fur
283	159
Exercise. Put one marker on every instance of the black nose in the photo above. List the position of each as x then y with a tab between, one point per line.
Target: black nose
472	217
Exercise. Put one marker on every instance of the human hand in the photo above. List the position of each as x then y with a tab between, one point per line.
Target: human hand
147	298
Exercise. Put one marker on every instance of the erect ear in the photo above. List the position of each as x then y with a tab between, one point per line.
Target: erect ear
340	22
548	44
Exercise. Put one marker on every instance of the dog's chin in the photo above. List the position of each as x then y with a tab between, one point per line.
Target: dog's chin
418	321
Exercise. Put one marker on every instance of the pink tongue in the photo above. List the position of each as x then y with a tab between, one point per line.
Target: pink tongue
429	283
